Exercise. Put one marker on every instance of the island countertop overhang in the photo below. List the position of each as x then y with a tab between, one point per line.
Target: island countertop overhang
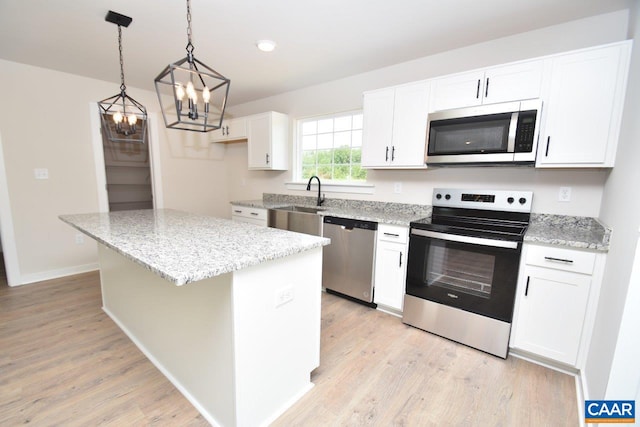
182	247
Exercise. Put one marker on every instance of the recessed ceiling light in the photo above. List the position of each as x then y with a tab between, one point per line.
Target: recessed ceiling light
266	45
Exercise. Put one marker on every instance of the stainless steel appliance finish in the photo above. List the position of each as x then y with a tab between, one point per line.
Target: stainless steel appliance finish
505	133
347	264
296	218
481	332
463	264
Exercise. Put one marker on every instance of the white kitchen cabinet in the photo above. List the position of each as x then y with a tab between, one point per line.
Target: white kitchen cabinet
583	107
390	266
556	302
394	128
257	216
512	82
231	130
268	141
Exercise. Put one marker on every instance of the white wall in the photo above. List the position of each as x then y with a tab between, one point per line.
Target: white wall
44	123
621	210
346	94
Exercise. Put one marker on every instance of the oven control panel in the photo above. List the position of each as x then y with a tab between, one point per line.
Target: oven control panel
495	200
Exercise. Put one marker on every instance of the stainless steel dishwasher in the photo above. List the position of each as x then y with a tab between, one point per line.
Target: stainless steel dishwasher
347	263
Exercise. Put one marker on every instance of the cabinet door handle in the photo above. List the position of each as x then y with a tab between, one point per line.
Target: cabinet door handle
227	127
400	265
486	88
386	156
478	90
223	131
393	153
550	258
267	157
546	152
526	289
392	234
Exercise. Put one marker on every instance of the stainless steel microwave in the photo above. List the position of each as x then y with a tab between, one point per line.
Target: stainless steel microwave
502	134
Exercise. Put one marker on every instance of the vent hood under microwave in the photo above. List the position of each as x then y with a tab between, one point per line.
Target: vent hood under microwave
495	134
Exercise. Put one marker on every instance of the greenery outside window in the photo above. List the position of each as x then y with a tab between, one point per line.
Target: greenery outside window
331	147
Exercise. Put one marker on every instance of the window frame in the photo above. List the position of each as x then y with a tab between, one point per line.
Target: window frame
298	156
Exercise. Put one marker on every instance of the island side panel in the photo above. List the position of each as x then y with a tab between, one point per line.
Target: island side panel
186	331
277	344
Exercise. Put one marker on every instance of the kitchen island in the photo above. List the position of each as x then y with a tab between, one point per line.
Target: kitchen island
229	312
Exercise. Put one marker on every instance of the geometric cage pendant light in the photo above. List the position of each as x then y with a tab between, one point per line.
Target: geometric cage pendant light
192	95
123	118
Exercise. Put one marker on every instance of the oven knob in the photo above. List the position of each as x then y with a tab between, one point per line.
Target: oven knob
510	200
447	196
522	200
438	196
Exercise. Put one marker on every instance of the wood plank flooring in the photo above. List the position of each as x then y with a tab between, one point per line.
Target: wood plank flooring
64	362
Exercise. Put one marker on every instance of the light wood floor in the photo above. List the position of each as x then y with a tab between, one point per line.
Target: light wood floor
64	362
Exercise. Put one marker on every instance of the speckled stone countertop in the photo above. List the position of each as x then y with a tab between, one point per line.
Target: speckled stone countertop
557	230
182	247
380	212
570	231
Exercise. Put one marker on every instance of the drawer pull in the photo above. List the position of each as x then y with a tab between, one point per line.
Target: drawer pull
236	211
550	258
392	234
254	213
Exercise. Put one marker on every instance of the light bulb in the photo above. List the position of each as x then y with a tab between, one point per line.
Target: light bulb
191	92
206	95
132	119
117	117
179	92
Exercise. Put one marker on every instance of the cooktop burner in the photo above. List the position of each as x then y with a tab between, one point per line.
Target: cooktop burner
496	214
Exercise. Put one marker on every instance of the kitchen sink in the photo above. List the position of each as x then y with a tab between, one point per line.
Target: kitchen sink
300	219
303	209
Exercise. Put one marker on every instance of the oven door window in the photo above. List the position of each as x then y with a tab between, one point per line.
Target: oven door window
460	270
475	278
473	135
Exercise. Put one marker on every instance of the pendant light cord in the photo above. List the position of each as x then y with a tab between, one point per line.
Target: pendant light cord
123	88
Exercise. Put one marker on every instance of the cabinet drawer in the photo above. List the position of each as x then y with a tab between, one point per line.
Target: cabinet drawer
561	259
393	233
256	213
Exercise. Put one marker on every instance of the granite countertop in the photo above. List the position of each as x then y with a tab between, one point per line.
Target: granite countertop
558	230
570	231
380	212
182	247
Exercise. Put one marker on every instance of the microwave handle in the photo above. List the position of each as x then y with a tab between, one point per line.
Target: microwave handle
511	138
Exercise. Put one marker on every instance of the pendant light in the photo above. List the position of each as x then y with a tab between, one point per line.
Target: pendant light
123	118
192	95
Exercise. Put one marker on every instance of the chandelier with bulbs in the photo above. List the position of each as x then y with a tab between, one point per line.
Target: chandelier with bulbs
123	118
204	90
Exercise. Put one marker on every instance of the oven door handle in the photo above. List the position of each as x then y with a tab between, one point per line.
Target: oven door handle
466	239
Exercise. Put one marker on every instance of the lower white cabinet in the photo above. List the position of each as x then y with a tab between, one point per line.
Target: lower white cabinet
390	266
257	216
555	303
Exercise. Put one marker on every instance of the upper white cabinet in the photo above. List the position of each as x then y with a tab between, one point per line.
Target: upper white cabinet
556	301
390	266
522	80
583	107
231	130
268	141
395	125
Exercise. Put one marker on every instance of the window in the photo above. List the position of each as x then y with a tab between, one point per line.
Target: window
331	147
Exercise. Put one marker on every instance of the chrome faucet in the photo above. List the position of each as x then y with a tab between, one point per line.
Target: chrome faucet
320	199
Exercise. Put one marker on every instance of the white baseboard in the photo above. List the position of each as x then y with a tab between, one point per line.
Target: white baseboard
55	274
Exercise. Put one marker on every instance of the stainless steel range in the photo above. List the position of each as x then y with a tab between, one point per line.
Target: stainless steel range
462	266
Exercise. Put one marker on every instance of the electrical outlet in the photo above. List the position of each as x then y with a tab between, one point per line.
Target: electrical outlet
564	195
79	239
284	296
397	187
41	173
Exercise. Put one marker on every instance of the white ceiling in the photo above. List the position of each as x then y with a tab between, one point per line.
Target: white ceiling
318	41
